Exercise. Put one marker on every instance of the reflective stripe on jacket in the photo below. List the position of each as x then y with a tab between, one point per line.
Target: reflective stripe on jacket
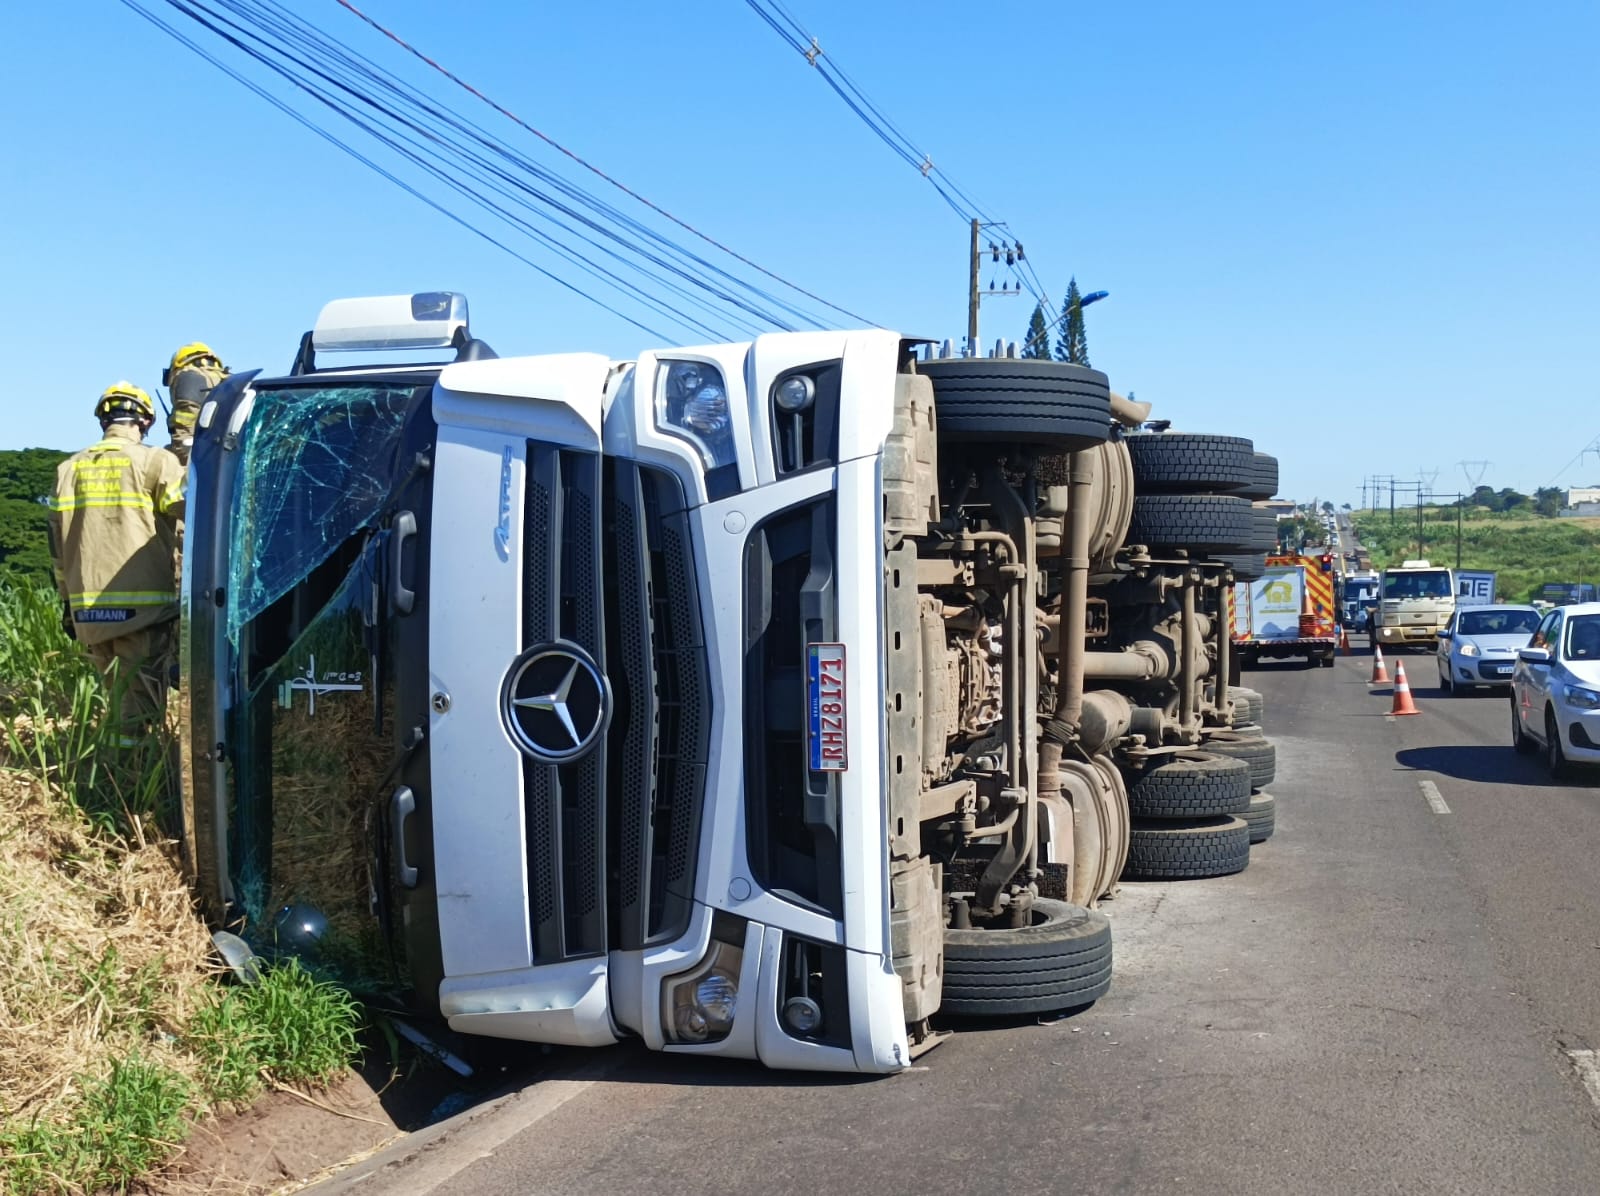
114	518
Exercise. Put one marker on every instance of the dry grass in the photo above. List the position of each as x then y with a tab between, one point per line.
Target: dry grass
101	955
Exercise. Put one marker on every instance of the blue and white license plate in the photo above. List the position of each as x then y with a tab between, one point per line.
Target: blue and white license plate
825	703
1504	670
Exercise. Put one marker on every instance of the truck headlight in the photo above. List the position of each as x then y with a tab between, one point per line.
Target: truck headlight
699	1005
692	404
1584	699
1470	649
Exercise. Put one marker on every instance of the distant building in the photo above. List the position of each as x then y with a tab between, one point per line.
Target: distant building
1580	495
1283	508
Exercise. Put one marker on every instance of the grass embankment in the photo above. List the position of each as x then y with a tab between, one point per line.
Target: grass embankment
114	1034
1525	550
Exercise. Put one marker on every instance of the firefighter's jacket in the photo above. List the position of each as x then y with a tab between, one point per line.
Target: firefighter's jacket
113	525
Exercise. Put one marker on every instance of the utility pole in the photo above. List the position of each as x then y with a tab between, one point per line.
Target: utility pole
972	293
1013	252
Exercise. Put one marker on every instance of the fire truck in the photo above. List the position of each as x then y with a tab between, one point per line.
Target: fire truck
1288	611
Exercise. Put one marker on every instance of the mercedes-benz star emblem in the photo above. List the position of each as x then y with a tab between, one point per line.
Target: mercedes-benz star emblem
555	702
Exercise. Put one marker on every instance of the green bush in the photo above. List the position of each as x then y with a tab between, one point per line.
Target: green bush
69	734
290	1027
126	1124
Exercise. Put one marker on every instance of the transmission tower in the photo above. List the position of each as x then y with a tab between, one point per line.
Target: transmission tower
1474	471
1427	477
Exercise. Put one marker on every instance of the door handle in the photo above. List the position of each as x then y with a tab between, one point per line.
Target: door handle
403	597
401	806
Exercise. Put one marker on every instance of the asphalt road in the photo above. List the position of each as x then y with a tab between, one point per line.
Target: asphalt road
1385	1000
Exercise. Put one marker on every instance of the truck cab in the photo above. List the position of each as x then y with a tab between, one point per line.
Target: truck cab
758	699
1415	602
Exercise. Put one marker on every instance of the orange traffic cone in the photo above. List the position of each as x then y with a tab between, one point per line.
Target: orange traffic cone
1402	693
1380	675
1344	642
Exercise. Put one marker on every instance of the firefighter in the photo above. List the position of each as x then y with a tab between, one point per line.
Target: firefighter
113	528
191	374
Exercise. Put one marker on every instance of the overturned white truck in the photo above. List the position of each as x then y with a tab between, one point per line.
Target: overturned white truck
762	699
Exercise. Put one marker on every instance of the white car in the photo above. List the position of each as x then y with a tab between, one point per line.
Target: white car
1555	689
1479	645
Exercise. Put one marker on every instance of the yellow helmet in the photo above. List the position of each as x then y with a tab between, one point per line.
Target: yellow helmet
192	353
124	399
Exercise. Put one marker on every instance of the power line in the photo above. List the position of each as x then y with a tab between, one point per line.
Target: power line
509	115
347	61
300	118
482	168
798	38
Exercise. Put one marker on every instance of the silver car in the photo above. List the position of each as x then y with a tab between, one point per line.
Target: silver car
1479	645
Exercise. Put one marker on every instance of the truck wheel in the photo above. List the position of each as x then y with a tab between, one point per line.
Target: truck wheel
1254	750
1523	745
1265	482
1167	851
1197	786
1061	961
1189	463
1261	816
1266	529
1245	566
1256	704
998	400
1200	523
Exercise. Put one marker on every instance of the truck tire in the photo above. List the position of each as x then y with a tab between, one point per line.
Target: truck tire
1198	786
1062	961
1265	482
1190	463
1261	817
1266	530
1246	566
1202	524
997	400
1188	851
1257	703
1252	748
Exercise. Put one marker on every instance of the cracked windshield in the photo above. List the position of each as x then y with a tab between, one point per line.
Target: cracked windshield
318	469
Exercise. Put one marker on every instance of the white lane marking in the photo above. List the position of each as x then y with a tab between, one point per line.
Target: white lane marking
1587	1065
1431	792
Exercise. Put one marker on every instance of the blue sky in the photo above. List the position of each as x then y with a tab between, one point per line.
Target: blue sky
1365	235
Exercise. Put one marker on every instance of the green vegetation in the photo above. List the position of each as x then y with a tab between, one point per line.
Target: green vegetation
27	477
291	1026
1525	549
1037	344
113	1035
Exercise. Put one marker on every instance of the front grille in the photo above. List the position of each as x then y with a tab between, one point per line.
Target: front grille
661	722
791	813
565	805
